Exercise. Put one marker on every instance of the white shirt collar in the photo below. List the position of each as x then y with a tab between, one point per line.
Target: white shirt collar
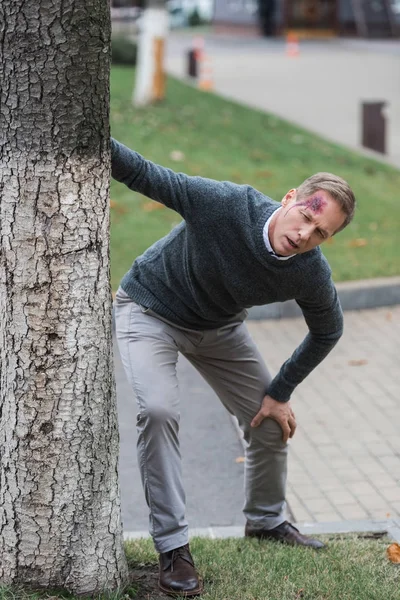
268	243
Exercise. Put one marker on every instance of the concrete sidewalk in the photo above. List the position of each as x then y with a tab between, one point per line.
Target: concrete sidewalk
321	90
345	456
344	461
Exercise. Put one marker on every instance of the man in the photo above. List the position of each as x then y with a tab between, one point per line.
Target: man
189	293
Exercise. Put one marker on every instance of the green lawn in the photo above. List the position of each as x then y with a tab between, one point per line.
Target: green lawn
350	568
223	140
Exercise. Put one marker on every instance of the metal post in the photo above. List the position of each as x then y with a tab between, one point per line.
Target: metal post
373	126
192	63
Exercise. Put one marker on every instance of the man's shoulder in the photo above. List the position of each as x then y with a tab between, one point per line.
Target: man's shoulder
315	270
316	259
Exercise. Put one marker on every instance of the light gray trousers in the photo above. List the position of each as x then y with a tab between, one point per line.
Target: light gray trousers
229	361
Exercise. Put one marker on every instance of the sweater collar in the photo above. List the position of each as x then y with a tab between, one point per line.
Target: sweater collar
267	240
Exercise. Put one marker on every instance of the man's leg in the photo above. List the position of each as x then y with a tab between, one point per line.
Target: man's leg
149	354
230	362
149	357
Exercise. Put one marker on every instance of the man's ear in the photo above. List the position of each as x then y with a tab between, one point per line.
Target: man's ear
290	197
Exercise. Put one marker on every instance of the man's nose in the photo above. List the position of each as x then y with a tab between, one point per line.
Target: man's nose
305	232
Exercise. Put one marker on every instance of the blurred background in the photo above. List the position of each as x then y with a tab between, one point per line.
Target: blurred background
265	94
272	17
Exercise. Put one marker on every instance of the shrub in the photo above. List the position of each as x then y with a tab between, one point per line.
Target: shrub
194	19
123	51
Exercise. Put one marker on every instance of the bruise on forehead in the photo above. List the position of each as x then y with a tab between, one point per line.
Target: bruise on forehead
315	203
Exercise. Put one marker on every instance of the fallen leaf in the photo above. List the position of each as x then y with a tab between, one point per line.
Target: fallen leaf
330	241
393	553
358	363
263	173
239	459
358	243
236	177
177	155
150	206
373	226
121	210
388	316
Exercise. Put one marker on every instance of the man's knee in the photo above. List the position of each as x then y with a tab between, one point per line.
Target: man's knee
268	434
159	415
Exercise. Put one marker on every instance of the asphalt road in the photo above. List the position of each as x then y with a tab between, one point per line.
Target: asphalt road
210	446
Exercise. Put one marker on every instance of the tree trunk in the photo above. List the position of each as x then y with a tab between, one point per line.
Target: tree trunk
150	75
60	522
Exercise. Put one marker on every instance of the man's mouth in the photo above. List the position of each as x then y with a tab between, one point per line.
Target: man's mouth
292	243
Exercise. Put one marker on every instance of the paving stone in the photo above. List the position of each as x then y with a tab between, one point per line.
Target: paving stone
362	488
395	506
391	494
347	445
326	516
355	511
341	496
372	502
319	504
379	513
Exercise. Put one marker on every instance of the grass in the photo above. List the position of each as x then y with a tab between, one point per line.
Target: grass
351	568
238	569
224	140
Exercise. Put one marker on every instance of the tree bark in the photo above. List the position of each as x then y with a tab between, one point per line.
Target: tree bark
60	522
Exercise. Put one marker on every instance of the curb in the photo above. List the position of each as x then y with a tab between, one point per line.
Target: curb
353	295
390	527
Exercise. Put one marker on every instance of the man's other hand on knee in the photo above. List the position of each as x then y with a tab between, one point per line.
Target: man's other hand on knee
281	412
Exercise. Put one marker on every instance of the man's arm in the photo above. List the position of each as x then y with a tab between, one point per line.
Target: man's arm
187	195
324	317
143	176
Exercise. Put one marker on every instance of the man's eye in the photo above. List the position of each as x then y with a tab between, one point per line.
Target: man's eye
321	234
307	218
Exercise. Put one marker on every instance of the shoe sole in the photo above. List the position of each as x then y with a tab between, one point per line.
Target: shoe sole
170	592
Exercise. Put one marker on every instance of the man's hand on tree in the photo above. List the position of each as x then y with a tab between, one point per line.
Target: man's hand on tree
281	412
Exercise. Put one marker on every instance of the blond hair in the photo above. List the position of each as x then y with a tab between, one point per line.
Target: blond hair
337	187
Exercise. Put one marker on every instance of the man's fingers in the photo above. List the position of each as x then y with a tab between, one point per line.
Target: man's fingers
259	418
285	430
284	425
286	422
292	425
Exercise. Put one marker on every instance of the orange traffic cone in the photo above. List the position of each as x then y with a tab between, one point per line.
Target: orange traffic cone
206	82
292	45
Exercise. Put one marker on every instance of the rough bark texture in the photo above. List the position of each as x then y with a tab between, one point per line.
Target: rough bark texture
59	497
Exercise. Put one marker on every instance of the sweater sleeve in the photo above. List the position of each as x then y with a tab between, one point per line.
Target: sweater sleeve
182	193
324	318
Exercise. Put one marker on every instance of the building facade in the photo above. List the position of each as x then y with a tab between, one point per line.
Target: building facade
311	18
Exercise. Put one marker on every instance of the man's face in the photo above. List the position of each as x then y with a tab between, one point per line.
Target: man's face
301	226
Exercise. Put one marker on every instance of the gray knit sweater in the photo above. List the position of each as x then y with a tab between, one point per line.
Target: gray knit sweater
214	264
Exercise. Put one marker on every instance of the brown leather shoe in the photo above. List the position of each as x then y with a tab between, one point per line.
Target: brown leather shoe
178	575
286	533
